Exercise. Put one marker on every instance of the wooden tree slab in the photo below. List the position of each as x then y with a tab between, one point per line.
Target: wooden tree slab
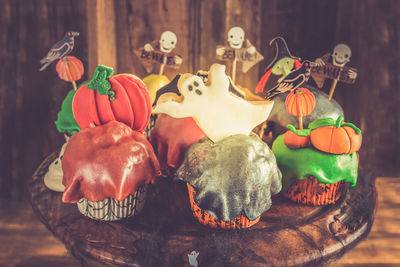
165	232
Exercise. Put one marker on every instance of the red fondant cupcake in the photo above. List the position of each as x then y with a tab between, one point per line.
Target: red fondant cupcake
106	170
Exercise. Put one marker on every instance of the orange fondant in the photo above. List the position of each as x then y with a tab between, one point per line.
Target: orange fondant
69	69
300	102
292	140
311	192
206	219
342	140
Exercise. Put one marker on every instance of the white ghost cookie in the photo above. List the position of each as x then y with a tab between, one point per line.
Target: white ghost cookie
218	113
54	176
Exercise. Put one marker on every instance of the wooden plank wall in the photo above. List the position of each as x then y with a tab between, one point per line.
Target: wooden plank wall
30	100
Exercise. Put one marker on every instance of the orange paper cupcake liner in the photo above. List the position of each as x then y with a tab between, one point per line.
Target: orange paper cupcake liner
206	219
311	192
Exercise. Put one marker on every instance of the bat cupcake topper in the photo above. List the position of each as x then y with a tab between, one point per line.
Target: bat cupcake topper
239	49
159	51
332	66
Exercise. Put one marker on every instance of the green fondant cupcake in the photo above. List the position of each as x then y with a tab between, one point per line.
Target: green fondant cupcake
65	118
309	175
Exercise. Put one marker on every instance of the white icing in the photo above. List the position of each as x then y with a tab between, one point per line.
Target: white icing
218	113
54	176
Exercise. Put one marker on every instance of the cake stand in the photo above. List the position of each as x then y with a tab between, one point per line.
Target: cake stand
165	233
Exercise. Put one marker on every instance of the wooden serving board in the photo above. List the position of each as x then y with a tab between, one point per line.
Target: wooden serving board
165	232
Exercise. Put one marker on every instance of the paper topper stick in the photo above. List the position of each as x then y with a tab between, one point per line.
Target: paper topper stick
59	50
239	49
300	102
70	69
335	70
160	52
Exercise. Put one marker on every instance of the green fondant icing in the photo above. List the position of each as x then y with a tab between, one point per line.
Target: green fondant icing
301	163
65	118
304	132
100	81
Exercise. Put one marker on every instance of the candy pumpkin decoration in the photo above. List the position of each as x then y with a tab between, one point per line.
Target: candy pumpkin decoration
300	102
70	69
296	138
335	137
105	98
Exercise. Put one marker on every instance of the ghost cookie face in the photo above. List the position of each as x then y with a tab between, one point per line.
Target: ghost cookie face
218	113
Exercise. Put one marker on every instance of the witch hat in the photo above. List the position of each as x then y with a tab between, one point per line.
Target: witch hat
281	51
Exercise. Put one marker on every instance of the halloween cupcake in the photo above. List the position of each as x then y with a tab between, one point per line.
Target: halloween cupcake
171	137
316	162
106	170
230	182
230	174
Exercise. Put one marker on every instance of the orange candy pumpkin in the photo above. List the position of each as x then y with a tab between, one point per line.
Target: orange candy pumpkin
300	102
335	137
69	69
296	138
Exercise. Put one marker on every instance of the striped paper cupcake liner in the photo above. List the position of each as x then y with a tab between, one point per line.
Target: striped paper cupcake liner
311	192
110	209
240	222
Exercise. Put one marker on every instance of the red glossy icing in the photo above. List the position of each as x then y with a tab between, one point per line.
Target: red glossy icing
132	104
110	160
171	138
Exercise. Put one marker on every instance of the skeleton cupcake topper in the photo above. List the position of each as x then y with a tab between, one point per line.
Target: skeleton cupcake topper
332	66
240	49
160	52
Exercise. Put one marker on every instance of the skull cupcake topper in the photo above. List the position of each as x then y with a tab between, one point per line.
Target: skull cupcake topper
341	55
239	49
332	66
168	41
236	37
160	51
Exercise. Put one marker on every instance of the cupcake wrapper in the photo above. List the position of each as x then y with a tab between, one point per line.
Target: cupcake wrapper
311	192
110	209
150	125
206	219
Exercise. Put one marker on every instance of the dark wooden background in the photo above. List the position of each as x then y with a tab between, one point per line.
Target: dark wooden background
110	30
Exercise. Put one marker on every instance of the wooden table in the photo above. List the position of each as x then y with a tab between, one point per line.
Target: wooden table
288	234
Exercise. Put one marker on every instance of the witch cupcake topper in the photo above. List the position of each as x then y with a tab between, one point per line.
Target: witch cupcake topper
239	49
334	68
159	51
291	72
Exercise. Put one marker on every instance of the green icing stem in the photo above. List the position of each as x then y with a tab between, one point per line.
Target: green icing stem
65	118
304	162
